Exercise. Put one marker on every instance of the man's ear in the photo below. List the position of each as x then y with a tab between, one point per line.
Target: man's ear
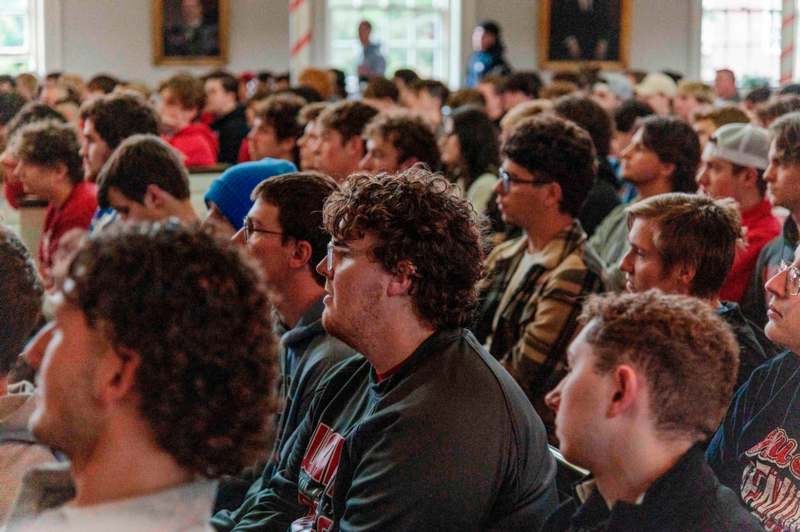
667	169
61	172
626	390
153	197
355	147
116	374
686	273
287	144
301	255
402	280
554	194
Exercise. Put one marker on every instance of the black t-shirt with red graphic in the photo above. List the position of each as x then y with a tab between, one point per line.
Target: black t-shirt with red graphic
755	451
448	441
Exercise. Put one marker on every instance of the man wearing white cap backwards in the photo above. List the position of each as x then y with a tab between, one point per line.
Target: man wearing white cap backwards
733	165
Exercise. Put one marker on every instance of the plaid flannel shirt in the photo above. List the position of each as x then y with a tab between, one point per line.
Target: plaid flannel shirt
540	319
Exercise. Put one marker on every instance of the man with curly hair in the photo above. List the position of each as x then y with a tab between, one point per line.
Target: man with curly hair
532	294
650	378
426	430
140	389
50	167
397	141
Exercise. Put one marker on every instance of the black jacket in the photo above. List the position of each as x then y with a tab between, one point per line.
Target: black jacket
755	451
687	498
232	130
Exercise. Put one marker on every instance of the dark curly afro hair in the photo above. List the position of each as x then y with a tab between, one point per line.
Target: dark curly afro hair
196	313
417	216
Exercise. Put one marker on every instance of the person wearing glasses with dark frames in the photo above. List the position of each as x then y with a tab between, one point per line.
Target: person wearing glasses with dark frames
283	233
532	294
425	431
755	452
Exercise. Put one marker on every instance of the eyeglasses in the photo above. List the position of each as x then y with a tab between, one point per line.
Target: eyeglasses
333	250
508	178
792	278
249	229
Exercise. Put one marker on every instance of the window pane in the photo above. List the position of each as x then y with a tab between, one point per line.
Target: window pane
7	6
13	31
411	33
743	35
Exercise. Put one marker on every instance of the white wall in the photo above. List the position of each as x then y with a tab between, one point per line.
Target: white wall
115	36
662	32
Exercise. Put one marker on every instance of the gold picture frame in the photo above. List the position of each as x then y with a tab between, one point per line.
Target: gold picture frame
181	38
563	24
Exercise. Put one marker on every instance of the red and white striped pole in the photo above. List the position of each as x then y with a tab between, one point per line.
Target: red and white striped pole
788	15
300	35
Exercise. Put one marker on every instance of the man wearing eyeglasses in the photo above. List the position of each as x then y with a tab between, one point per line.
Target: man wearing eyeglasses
426	431
755	451
532	294
283	233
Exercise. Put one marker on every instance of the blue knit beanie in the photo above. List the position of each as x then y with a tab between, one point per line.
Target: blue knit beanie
231	191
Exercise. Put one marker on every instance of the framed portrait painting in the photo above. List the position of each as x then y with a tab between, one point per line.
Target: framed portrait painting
190	32
576	32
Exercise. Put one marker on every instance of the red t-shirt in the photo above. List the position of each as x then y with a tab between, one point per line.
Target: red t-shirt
75	213
760	227
197	143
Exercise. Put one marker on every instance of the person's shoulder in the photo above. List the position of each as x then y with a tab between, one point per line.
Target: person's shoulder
725	512
507	249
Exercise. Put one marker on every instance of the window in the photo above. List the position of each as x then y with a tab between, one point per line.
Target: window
17	36
743	35
412	34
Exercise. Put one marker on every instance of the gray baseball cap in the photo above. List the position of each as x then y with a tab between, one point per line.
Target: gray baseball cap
742	144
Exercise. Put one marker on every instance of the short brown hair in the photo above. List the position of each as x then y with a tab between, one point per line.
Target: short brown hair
118	116
410	134
299	197
187	89
379	87
688	354
311	112
725	114
281	112
417	216
786	136
771	110
176	296
695	231
590	116
142	160
48	143
347	117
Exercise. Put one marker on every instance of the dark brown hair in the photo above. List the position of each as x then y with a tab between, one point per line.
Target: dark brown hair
299	197
409	134
347	117
417	216
118	116
177	297
142	160
48	143
558	149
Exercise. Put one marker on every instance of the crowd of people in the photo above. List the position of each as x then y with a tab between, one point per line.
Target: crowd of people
407	309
